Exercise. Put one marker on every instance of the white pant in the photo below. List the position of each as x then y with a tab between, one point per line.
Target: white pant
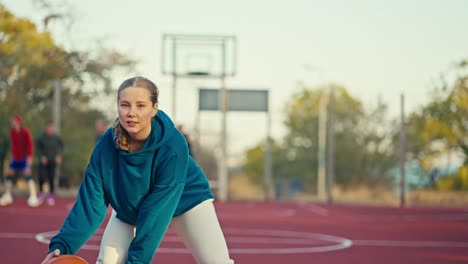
199	229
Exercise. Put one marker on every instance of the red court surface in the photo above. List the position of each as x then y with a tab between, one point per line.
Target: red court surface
275	233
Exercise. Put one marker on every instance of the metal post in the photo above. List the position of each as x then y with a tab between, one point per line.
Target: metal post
223	174
197	135
174	94
223	170
402	152
174	80
330	147
322	142
268	181
57	98
56	109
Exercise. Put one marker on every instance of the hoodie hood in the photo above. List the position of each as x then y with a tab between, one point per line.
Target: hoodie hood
162	129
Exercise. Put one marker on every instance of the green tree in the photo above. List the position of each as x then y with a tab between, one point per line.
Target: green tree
30	61
447	114
255	163
363	149
441	126
377	153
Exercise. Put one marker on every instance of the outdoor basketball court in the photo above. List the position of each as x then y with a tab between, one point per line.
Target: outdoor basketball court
275	233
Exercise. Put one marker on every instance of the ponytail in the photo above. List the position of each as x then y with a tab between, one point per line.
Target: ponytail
120	136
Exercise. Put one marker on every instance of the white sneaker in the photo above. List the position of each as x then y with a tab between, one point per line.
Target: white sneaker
33	201
6	199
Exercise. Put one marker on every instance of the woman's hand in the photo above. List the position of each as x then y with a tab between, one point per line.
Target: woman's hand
51	255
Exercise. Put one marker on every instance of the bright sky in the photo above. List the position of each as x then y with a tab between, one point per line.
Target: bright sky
372	47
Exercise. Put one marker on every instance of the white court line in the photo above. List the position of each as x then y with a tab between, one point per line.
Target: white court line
409	217
341	243
59	212
16	235
159	250
315	209
253	214
283	213
393	243
334	242
36	211
290	212
247	239
258	240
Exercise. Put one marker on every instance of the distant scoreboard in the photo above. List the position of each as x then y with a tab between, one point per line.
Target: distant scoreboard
238	100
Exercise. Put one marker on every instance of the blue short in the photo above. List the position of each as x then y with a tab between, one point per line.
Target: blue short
18	164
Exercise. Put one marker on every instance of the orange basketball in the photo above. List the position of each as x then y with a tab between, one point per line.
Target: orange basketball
67	259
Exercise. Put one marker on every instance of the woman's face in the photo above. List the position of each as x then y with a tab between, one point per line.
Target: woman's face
136	111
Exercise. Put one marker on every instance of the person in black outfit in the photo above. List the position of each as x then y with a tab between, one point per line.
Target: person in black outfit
49	149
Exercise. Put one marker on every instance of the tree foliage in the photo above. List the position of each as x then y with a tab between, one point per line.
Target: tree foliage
255	160
30	62
441	127
363	147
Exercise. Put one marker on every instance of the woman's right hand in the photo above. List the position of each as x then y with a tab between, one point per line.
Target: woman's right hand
51	255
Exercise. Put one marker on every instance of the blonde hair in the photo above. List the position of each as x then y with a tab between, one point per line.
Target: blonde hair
121	137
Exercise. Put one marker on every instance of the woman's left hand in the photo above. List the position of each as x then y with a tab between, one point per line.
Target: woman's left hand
50	256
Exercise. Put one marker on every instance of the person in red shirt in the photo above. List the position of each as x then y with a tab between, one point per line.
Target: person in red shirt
21	161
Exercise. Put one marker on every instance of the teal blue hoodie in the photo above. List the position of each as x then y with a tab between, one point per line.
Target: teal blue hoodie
146	188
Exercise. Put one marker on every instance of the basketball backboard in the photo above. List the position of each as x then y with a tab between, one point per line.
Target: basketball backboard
184	55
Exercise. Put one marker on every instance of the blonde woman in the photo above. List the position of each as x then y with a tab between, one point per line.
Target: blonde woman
142	168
